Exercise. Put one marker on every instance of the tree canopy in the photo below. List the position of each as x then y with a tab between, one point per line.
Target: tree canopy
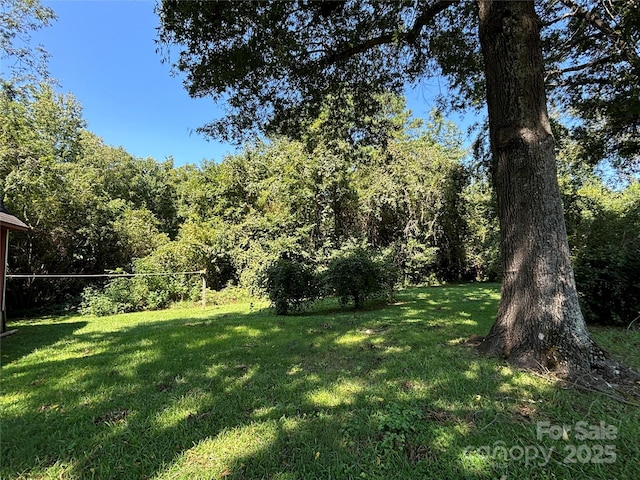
593	69
276	63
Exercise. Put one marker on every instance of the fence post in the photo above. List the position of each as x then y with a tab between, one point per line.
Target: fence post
204	288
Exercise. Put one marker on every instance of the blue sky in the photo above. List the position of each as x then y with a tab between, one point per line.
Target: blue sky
103	52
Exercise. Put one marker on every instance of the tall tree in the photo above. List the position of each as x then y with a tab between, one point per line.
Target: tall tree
278	62
22	67
539	320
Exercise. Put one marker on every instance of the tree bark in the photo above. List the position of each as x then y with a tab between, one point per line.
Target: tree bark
539	323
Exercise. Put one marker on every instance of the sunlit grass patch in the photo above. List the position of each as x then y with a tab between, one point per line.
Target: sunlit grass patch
341	392
214	457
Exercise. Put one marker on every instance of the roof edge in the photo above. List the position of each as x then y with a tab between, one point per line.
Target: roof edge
10	222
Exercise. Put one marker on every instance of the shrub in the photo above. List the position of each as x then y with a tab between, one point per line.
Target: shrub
122	295
607	280
115	298
95	302
354	275
607	255
607	270
290	285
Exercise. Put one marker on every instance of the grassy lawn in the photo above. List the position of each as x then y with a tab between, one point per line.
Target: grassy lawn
236	392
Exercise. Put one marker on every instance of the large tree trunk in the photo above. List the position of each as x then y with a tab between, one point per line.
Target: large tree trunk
539	323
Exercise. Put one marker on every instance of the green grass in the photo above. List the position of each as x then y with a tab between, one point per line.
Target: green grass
236	392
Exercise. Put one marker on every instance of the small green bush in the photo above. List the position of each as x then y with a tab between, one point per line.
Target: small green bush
354	275
94	302
122	295
289	284
115	298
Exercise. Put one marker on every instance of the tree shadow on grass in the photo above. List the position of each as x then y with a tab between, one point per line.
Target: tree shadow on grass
379	395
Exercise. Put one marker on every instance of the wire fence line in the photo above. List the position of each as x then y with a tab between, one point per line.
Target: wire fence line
100	275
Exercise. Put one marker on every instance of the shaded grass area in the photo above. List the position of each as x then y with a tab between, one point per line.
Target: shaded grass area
236	392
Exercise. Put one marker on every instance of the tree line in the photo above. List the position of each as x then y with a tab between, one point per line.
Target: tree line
413	194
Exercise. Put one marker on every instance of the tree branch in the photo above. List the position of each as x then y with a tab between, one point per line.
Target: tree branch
599	24
356	49
559	19
427	16
577	68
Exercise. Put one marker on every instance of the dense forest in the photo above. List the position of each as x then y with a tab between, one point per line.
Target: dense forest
410	192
